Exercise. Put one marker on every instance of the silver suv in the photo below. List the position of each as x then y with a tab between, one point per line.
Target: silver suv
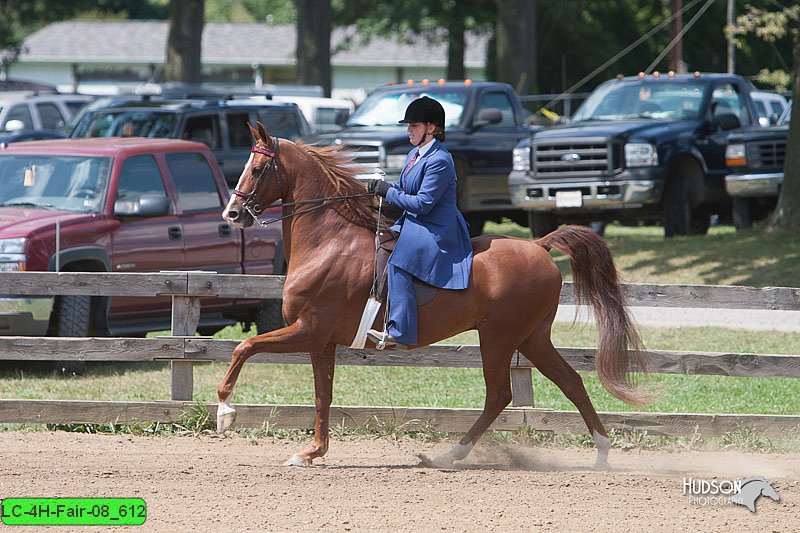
27	111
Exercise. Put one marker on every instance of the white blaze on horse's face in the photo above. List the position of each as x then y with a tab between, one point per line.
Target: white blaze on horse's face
234	213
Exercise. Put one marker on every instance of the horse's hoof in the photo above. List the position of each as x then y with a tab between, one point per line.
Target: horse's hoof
602	464
225	422
296	460
436	462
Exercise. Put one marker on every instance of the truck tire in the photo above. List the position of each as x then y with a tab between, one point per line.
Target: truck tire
72	319
270	316
740	211
680	218
541	224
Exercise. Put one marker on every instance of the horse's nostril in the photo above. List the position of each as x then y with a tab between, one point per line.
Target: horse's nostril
232	214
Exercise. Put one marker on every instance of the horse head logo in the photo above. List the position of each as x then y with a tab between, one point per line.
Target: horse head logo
752	488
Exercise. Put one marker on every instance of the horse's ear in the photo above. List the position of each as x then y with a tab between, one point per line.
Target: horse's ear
253	132
262	131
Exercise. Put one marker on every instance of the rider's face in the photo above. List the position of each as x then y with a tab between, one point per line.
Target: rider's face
417	129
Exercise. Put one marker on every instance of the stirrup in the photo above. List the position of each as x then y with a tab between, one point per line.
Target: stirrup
383	340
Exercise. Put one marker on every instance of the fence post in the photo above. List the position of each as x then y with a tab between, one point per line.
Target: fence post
185	317
521	385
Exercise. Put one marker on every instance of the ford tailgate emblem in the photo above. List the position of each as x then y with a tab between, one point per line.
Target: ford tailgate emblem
571	158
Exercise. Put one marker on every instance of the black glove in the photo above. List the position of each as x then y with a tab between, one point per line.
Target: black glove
378	187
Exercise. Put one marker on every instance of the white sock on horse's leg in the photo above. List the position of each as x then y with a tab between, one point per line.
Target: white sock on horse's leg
603	446
456	453
226	416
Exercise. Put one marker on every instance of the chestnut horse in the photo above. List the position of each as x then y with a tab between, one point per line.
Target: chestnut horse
511	300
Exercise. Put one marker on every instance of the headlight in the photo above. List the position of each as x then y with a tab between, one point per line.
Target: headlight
736	155
12	246
12	255
521	158
395	161
640	155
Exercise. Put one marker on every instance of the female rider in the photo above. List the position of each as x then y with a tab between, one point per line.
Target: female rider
434	244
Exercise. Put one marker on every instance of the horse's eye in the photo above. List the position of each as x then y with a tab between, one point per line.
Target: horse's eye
256	170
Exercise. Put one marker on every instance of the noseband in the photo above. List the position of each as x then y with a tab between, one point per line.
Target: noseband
250	201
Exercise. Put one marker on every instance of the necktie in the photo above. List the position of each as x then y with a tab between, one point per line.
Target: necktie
411	163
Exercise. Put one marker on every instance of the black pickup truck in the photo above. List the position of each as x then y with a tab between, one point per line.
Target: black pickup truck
642	149
484	121
755	159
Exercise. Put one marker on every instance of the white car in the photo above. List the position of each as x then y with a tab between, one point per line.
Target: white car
27	111
324	114
769	106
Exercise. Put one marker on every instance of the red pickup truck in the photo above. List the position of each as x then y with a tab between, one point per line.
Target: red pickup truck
123	205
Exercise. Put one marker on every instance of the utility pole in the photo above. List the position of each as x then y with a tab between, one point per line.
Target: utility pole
675	26
731	48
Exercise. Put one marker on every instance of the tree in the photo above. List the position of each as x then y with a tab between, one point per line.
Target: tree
787	212
314	18
445	21
772	26
516	44
185	41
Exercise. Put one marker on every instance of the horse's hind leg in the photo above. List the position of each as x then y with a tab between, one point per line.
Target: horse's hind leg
323	364
496	353
540	351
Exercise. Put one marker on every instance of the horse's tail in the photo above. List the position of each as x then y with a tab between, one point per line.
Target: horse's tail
596	282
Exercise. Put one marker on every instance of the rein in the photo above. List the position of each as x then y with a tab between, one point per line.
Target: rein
254	208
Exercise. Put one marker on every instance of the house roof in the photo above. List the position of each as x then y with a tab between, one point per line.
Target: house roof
145	41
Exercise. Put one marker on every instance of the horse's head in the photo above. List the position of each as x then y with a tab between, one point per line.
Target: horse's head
259	185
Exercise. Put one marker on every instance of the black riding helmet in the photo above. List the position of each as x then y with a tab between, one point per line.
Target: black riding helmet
425	109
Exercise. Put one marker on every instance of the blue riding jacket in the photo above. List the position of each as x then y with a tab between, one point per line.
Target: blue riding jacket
434	244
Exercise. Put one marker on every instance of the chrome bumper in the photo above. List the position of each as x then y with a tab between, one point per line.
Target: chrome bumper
753	185
600	195
25	316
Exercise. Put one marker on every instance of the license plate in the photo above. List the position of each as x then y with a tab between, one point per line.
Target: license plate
569	199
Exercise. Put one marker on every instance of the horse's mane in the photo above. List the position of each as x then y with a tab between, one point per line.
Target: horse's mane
335	162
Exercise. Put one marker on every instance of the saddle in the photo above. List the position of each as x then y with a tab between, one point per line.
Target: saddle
387	240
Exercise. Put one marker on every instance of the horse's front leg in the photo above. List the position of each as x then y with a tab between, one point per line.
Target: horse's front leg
293	338
323	364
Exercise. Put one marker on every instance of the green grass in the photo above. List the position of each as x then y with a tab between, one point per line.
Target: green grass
439	387
725	256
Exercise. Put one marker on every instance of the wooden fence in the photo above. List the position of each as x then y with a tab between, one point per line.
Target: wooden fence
182	348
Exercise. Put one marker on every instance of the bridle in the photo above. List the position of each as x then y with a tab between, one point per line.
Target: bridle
250	202
254	208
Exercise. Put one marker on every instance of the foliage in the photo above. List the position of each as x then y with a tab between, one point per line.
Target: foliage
263	11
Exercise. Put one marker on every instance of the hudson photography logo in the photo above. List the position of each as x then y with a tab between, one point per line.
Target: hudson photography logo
743	491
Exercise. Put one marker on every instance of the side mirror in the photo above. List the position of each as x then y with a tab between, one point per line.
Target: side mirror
147	205
727	121
488	116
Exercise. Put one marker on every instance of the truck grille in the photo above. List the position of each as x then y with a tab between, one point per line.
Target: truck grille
367	155
573	158
767	154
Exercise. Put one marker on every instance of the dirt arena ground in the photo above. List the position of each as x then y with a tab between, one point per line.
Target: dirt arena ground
234	483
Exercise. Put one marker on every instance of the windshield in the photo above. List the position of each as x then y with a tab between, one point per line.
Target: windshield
127	124
387	109
667	100
66	183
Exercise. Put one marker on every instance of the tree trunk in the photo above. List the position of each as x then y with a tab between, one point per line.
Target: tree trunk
787	212
516	44
314	43
455	49
184	43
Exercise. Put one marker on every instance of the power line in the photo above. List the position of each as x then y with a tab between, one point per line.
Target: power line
678	37
621	53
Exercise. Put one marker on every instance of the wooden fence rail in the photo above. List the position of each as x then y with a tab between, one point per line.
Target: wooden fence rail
181	348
